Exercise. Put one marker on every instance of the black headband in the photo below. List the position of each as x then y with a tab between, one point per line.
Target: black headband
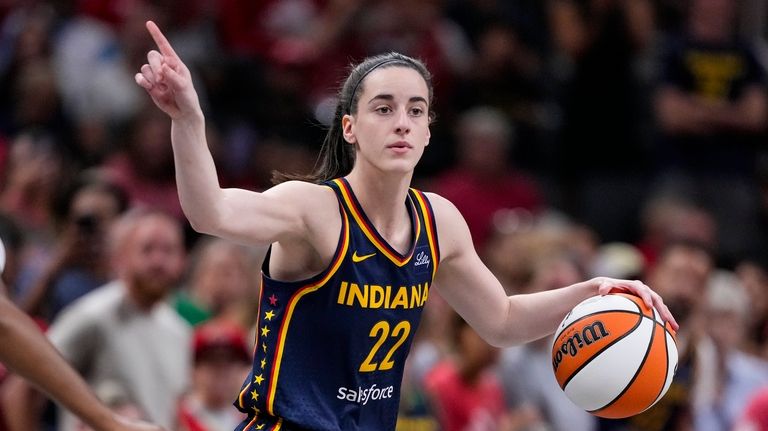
357	84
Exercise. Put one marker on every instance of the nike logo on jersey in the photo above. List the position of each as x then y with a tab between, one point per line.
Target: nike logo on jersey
356	258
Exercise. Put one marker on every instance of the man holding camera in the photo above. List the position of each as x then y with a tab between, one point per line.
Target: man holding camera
80	261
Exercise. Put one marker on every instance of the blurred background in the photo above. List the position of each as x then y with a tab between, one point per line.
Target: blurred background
625	138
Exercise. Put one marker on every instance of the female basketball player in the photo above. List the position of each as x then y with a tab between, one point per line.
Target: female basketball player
353	252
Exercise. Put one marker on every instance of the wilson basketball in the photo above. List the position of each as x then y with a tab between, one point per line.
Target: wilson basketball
613	356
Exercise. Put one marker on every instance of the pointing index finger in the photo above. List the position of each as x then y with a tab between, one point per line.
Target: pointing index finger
160	40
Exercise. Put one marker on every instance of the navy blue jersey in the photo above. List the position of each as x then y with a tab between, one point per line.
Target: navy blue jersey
330	350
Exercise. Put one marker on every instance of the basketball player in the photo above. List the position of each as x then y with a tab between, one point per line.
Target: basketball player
353	252
25	350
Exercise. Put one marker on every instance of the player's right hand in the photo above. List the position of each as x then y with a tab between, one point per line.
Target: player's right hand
167	79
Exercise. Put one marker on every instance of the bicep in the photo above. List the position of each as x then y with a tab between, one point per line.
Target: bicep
263	218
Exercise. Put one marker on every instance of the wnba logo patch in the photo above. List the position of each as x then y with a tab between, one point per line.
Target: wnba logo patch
421	259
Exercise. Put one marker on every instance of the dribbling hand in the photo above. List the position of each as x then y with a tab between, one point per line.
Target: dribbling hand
606	285
167	79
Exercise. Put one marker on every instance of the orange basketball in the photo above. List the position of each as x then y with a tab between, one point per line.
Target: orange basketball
613	356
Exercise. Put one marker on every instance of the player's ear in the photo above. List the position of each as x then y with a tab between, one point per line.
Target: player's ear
347	126
429	135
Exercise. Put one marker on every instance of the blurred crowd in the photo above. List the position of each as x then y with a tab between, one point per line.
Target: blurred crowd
579	138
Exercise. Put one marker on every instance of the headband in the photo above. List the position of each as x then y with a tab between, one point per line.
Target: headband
375	66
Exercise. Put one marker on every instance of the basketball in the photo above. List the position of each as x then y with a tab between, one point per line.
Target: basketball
613	356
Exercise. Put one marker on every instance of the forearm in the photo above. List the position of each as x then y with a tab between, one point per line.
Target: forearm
196	176
503	320
28	353
535	315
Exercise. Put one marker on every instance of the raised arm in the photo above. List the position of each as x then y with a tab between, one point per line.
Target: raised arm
240	215
478	296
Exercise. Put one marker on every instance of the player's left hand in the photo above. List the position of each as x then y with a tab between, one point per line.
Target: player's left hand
606	285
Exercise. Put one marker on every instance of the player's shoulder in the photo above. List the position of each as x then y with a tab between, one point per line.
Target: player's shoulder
452	229
443	208
311	195
317	204
297	186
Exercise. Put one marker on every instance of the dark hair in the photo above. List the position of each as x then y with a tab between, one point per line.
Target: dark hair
337	157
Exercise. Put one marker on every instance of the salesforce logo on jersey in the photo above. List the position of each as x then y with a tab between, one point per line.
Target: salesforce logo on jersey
363	395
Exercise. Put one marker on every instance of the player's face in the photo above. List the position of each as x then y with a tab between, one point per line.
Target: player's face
391	125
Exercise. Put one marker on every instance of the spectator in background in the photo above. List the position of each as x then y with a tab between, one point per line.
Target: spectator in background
484	180
666	219
93	52
681	276
530	388
37	107
415	411
529	16
124	331
222	283
221	359
755	414
753	276
712	107
36	168
421	30
144	168
508	75
519	240
738	375
80	263
277	50
27	352
29	97
602	154
464	390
